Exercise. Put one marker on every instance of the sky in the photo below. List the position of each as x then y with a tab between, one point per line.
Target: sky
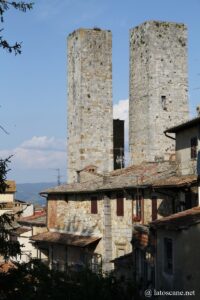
33	85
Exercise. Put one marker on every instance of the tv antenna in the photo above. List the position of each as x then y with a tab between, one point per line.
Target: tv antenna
58	175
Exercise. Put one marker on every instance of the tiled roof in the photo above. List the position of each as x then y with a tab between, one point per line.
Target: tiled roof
20	230
134	176
179	221
174	181
36	220
65	239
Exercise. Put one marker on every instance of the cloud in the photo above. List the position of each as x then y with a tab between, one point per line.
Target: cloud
44	143
120	110
37	153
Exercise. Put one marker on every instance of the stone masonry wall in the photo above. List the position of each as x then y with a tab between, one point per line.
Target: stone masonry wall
90	124
72	214
158	88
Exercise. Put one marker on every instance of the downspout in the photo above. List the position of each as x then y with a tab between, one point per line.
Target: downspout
169	136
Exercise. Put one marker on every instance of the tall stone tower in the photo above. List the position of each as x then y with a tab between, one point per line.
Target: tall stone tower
90	118
158	88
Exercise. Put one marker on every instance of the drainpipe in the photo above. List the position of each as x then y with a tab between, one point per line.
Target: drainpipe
169	136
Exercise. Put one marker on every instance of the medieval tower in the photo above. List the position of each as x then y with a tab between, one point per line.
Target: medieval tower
90	118
158	88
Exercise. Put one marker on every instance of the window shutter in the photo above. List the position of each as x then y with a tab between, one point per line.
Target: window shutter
120	206
138	207
94	208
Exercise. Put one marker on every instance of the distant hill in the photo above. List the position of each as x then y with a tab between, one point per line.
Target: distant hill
29	192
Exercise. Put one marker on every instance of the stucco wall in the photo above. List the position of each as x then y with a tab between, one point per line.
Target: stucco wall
186	245
6	198
187	165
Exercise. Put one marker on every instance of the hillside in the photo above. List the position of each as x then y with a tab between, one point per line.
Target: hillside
29	192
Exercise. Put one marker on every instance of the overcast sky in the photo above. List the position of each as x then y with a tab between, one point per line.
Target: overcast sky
33	103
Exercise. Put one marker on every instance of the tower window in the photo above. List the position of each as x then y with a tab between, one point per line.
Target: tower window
164	102
193	143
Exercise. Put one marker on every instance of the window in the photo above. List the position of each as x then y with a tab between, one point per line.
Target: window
168	255
164	102
120	205
154	208
138	204
193	147
94	207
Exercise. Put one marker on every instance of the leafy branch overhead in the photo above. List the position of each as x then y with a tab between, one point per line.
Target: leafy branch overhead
4	6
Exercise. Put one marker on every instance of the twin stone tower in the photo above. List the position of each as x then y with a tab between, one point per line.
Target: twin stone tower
158	94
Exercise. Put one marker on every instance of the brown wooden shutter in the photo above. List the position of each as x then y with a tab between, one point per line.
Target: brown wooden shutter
154	208
94	208
138	207
120	206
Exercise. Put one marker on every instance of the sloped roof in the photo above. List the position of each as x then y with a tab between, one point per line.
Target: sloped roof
20	230
65	239
35	220
134	176
178	221
175	181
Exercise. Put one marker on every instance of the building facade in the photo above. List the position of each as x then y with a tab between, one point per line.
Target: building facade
187	146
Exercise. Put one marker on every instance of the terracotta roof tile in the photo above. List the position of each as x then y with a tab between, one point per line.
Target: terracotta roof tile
65	239
38	219
132	176
179	221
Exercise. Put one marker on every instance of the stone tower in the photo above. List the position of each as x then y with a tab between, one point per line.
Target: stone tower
158	88
90	118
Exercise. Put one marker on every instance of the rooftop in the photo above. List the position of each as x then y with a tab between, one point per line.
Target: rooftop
184	125
65	239
35	220
179	221
156	175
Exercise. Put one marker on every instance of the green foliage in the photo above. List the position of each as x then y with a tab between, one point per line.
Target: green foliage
4	6
3	172
7	247
35	281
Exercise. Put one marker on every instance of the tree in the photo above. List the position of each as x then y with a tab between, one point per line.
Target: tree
35	281
7	247
4	6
